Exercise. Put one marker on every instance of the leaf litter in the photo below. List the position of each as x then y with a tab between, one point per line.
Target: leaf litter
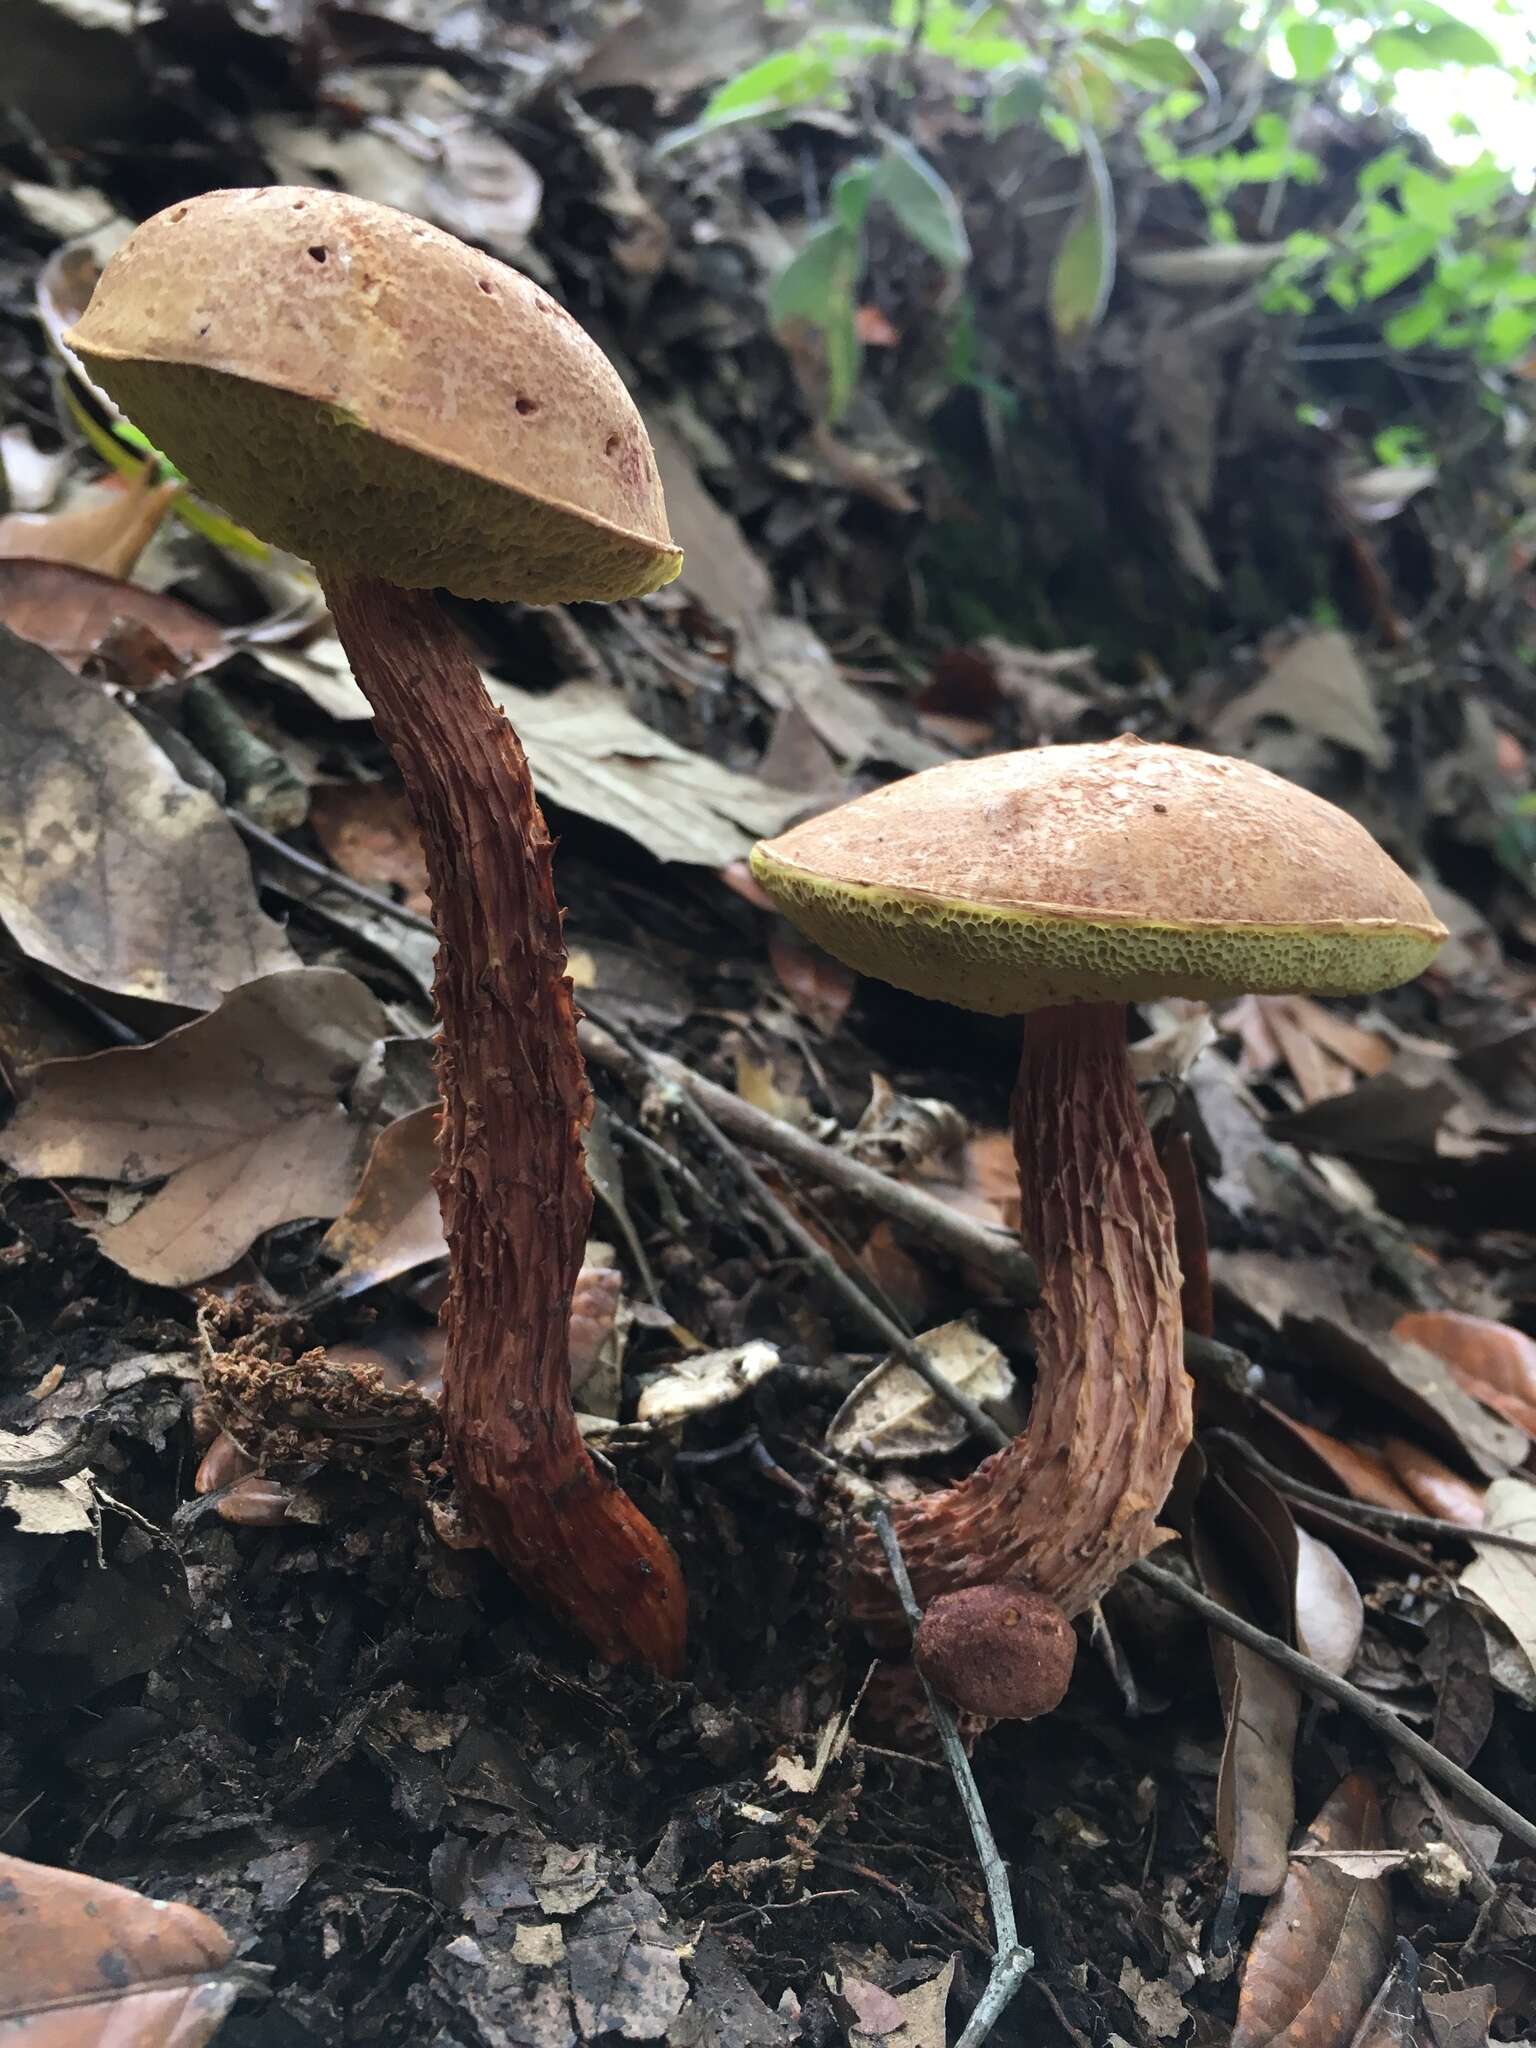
353	1744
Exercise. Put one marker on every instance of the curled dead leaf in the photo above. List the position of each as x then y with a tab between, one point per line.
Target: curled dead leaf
1325	1940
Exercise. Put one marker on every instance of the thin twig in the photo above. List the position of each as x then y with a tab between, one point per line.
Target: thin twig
996	1252
993	1251
1011	1962
48	1468
815	1252
1364	1511
1372	1711
269	842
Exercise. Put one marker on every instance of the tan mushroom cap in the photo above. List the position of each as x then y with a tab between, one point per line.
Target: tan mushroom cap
366	391
1112	872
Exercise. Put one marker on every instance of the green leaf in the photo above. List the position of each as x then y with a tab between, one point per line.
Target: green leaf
1083	273
819	280
1426	47
790	78
1019	102
921	202
1313	47
1508	333
1415	323
1148	60
844	354
1387	267
852	189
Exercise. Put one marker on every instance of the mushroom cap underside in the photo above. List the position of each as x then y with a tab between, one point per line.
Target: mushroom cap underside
365	390
1110	872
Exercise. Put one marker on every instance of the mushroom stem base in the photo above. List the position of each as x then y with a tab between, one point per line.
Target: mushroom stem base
512	1179
1073	1501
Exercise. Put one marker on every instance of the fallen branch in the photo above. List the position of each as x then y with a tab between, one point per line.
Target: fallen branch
994	1252
1372	1711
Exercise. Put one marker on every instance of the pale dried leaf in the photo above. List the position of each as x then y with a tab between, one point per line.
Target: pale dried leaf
787	664
1505	1580
591	754
241	1109
902	2019
789	1772
112	869
321	670
1158	2006
89	1964
893	1414
1318	686
58	1507
709	1380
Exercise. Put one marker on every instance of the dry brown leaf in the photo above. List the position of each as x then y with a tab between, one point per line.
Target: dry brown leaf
1361	1474
590	753
893	1414
1325	1941
1317	1073
71	611
88	1964
369	831
1317	685
1437	1489
393	1223
820	987
107	529
112	869
1505	1580
241	1109
1255	1789
1491	1361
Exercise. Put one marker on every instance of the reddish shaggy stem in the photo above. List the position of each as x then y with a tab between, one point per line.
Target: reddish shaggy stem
1072	1501
512	1180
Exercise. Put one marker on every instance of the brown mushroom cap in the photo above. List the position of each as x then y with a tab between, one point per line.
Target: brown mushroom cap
368	392
1111	872
998	1650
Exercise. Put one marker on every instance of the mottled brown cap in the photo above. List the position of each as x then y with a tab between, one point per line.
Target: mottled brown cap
366	391
1000	1650
1111	872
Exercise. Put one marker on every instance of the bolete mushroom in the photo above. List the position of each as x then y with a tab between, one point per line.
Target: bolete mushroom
370	393
1061	884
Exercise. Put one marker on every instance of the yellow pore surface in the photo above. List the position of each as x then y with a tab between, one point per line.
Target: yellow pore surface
1111	872
366	391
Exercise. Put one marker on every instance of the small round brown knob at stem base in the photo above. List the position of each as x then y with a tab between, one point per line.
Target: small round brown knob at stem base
999	1650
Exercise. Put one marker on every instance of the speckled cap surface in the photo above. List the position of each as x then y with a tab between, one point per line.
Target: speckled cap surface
1112	872
363	389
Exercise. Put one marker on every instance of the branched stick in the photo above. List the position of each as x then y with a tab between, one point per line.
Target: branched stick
1011	1962
991	1251
1372	1711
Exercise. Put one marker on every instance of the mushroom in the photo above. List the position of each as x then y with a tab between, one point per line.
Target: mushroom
1060	884
1000	1651
368	392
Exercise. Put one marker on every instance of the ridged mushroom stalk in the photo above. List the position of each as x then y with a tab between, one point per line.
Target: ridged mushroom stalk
1074	1498
372	394
1058	885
